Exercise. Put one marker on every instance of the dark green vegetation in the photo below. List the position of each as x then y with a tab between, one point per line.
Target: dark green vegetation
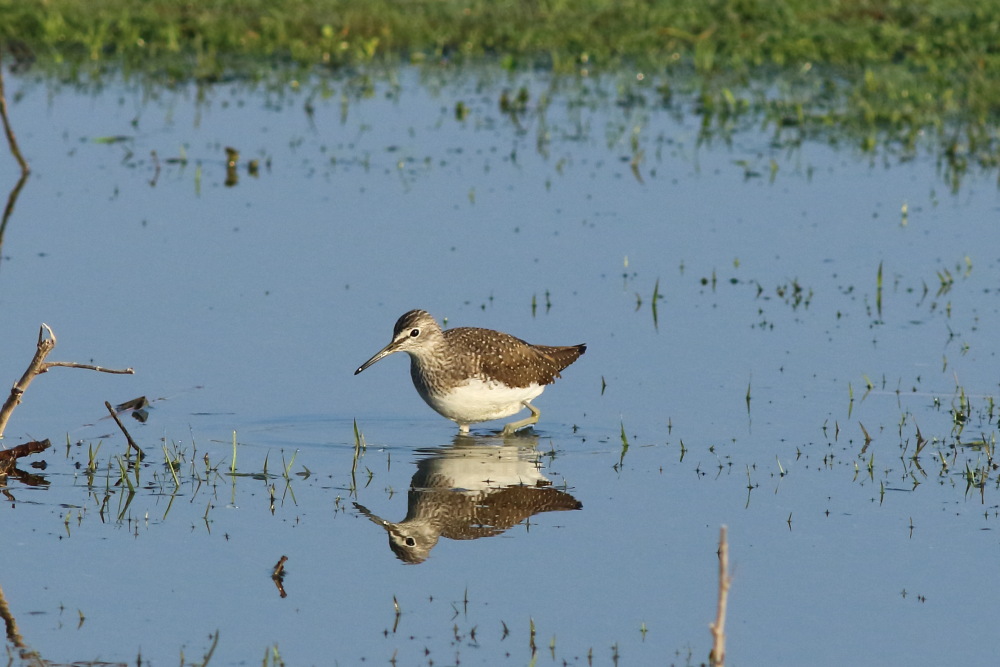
879	74
938	36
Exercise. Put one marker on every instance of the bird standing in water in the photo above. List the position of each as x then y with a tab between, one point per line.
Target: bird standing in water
472	375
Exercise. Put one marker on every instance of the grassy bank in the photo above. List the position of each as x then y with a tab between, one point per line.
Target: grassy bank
886	68
935	35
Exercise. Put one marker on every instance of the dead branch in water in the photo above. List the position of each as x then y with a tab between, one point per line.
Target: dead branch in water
717	658
128	437
27	449
38	365
9	457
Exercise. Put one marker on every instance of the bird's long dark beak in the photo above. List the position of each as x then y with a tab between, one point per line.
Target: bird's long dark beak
384	352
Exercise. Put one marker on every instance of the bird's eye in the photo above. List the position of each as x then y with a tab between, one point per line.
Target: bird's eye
414	333
410	542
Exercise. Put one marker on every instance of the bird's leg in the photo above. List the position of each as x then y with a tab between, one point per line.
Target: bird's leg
463	429
510	428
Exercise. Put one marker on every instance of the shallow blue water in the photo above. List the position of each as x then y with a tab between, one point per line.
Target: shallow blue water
247	309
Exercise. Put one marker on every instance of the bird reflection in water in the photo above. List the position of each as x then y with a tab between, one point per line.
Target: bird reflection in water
473	488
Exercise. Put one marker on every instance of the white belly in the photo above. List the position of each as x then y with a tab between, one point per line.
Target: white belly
479	401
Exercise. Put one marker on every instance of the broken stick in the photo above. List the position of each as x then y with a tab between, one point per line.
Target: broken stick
38	365
128	436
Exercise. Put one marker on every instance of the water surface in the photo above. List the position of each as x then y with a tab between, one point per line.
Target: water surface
739	338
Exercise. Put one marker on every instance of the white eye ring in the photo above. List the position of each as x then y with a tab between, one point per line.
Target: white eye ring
414	333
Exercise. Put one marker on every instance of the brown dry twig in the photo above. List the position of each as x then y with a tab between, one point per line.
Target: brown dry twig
8	463
279	568
38	365
717	658
27	449
131	442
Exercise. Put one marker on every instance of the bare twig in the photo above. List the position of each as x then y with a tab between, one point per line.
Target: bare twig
279	568
131	442
9	469
38	365
717	658
9	131
45	346
27	449
89	367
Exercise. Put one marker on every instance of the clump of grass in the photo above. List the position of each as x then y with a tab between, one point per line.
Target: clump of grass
92	456
891	79
272	657
360	447
124	476
878	290
624	450
173	464
286	472
656	298
207	657
592	34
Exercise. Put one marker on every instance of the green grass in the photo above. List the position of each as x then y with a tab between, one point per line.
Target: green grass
936	35
884	73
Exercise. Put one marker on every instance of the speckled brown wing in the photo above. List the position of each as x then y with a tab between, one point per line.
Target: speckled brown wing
511	360
563	356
